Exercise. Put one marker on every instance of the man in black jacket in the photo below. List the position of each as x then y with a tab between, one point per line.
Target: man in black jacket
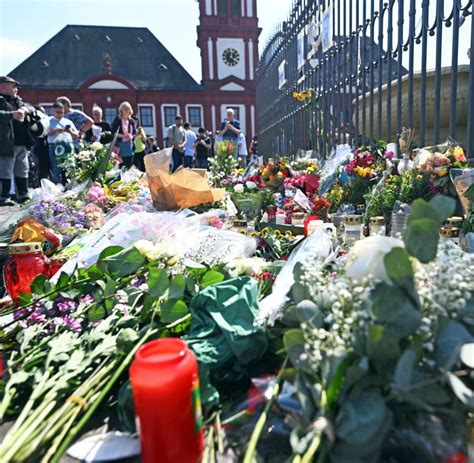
14	140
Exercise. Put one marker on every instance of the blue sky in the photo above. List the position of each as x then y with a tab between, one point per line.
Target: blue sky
39	20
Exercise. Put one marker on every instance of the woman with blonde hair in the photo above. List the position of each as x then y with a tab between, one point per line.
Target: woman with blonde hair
126	127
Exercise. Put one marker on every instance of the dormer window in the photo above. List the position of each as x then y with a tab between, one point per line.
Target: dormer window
45	64
108	39
76	38
163	67
139	40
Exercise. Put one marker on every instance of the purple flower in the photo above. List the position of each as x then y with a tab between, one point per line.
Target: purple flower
71	323
137	282
121	308
22	313
36	317
65	305
389	155
87	299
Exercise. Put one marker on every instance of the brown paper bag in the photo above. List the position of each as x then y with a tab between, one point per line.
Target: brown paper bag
185	188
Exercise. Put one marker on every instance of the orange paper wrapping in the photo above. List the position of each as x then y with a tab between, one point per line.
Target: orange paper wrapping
184	188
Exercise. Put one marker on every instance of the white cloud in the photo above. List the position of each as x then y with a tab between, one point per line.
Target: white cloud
13	52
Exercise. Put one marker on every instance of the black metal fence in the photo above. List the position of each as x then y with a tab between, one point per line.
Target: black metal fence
374	67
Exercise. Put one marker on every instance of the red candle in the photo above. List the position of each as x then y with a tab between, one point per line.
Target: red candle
26	261
165	387
308	219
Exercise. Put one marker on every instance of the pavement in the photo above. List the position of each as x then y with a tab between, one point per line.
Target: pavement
7	212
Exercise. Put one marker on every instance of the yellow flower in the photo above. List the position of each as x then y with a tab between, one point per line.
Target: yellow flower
363	171
442	172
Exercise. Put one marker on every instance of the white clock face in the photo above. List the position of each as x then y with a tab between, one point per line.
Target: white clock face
231	57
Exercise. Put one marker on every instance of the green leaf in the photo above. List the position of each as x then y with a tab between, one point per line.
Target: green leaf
212	277
449	341
94	273
420	209
110	288
157	282
421	239
176	288
145	313
293	337
25	299
41	285
399	268
361	418
432	394
109	251
299	293
337	381
96	313
404	369
173	310
63	280
293	341
126	340
382	345
307	311
123	263
444	206
391	306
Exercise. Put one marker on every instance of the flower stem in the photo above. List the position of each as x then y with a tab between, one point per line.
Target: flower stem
252	447
118	372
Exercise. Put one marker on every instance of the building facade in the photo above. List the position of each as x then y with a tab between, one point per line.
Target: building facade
107	65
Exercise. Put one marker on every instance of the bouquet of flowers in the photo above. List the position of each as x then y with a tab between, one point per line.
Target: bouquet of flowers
62	218
84	164
380	338
274	174
223	163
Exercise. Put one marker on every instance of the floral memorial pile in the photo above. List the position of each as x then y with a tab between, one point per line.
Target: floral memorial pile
329	305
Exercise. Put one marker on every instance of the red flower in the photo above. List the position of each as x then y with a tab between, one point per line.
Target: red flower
312	183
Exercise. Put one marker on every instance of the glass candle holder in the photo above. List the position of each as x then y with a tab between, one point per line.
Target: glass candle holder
25	262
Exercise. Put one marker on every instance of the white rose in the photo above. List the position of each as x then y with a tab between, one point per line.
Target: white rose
239	188
253	265
250	185
144	247
96	146
366	257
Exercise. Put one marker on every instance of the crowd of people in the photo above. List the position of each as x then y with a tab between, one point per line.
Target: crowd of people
26	153
194	150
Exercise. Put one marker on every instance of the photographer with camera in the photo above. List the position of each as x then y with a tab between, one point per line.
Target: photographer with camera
14	142
202	149
60	140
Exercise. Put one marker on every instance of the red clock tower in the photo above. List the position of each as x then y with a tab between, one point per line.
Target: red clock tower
228	38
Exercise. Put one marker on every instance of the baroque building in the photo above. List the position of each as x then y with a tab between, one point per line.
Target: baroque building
106	65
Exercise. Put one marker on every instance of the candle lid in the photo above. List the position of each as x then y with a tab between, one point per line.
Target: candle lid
449	232
24	248
378	220
454	221
353	219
